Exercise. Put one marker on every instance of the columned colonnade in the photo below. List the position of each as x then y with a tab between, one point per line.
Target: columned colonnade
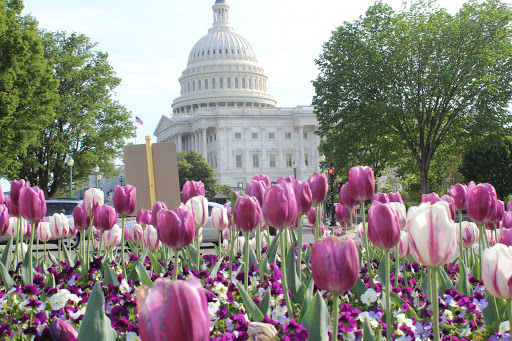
195	140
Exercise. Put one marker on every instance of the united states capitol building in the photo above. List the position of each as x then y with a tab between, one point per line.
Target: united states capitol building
225	112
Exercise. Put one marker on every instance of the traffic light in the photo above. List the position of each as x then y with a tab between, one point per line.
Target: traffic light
339	186
331	175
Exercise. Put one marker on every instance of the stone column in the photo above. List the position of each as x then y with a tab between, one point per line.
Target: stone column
300	161
204	145
178	143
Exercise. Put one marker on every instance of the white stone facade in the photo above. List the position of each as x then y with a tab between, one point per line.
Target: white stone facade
225	113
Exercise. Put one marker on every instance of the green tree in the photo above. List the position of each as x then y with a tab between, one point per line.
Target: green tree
193	166
27	87
89	125
414	83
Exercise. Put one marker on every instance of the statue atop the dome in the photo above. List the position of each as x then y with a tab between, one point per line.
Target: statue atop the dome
220	1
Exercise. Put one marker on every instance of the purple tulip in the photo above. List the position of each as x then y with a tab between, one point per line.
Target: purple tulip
383	225
381	197
191	189
288	179
81	218
105	218
32	204
335	264
506	221
343	214
173	310
1	196
157	207
505	237
318	186
228	212
62	331
125	200
498	213
176	228
143	217
280	205
345	197
471	185
312	216
509	205
458	192
481	203
4	219
395	197
12	201
263	178
497	272
247	213
303	196
256	188
135	233
93	198
362	182
430	197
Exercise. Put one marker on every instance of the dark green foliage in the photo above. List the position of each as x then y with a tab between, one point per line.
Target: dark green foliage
193	166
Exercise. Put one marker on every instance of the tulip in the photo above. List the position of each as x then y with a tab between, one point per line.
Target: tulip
345	197
470	234
256	189
505	237
12	229
105	218
509	205
151	238
458	192
93	198
32	204
112	237
263	178
259	331
403	246
157	207
191	189
228	212
62	331
72	228
125	199
279	206
81	218
395	197
135	233
4	219
497	272
303	196
59	228
499	212
381	197
318	186
362	182
28	231
430	197
173	310
198	206
288	179
343	214
335	268
16	188
220	218
506	221
481	203
143	217
383	225
2	198
43	232
401	213
312	216
451	204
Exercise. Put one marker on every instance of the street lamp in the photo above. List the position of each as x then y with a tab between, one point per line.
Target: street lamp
294	166
321	158
96	170
98	179
240	186
70	162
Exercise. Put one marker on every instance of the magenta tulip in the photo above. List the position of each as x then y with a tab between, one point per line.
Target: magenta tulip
2	198
458	192
497	272
506	220
263	178
191	189
498	213
383	225
481	203
125	200
280	205
505	237
256	188
62	331
380	197
157	207
318	186
173	310
312	216
228	212
509	205
93	198
343	214
362	182
105	218
143	217
32	204
335	264
12	202
288	179
81	218
303	196
176	228
345	197
395	197
430	197
247	213
4	219
451	204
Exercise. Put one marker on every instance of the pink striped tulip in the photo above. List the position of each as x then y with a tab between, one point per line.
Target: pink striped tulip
345	197
401	212
143	217
105	218
335	264
220	218
43	232
247	213
403	246
81	218
458	192
303	196
318	186
497	272
505	237
112	237
125	200
280	205
12	229
263	178
470	233
62	331
32	203
362	182
432	234
135	233
343	214
173	310
72	228
191	189
383	225
151	240
59	225
93	198
176	228
481	203
198	206
157	207
451	204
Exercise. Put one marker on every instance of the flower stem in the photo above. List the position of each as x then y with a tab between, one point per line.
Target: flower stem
258	242
89	245
99	246
220	245
231	253
122	246
176	269
335	317
198	249
435	303
317	221
284	282
389	323
30	269
246	261
60	246
299	245
37	249
366	246
397	266
460	234
509	313
481	246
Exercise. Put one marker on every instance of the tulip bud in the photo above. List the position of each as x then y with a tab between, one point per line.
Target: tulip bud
279	205
151	238
143	217
505	237
458	192
191	189
383	225
176	228
93	198
395	197
220	218
247	213
157	207
81	218
43	232
497	272
256	189
125	200
135	233
32	204
59	225
335	264
345	197
470	233
362	182
506	221
481	203
380	197
112	237
318	186
105	218
4	219
259	331
173	310
303	196
62	331
198	206
288	179
403	246
263	178
430	197
312	216
343	214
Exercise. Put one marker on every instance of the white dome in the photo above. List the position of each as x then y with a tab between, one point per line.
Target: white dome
222	70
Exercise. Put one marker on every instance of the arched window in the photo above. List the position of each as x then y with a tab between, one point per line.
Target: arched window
188	87
229	82
199	84
250	83
213	51
203	52
206	84
213	83
220	51
221	81
236	83
243	83
193	85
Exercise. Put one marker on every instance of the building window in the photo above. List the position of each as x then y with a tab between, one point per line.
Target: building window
254	136
255	161
271	136
288	136
221	81
193	85
215	137
250	83
238	161
206	84
305	136
213	83
229	82
272	160
199	84
243	83
188	86
288	160
306	159
236	83
238	136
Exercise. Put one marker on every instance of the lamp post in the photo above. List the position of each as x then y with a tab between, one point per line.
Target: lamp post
96	170
294	166
240	186
98	179
70	162
321	158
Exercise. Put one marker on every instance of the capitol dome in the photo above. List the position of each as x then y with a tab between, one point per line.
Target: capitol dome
222	71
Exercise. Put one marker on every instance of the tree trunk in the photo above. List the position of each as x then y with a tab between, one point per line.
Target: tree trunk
424	166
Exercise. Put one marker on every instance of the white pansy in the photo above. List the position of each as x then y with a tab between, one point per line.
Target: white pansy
504	327
401	319
60	299
369	297
366	316
76	315
124	287
132	336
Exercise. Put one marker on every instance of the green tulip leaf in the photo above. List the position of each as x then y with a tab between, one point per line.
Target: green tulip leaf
133	248
68	256
49	284
143	275
6	253
79	257
109	277
52	258
308	296
367	331
316	320
445	282
265	304
215	269
464	286
264	268
292	278
252	255
359	288
306	256
8	281
490	311
293	236
252	310
133	274
381	270
155	264
272	251
95	324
